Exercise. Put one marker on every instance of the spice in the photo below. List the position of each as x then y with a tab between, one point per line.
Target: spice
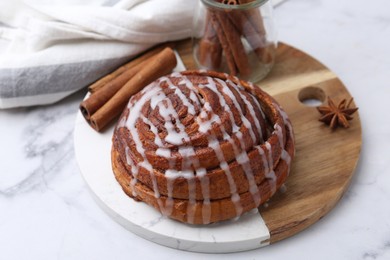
108	102
335	116
224	31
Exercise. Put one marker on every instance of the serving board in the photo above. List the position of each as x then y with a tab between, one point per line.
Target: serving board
321	171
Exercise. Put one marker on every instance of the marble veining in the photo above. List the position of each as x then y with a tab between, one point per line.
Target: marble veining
45	145
47	211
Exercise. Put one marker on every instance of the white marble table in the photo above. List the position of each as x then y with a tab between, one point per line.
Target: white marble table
47	212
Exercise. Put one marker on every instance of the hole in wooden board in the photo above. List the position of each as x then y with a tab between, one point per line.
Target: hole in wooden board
311	96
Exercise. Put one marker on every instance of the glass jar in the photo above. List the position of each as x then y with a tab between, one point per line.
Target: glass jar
235	36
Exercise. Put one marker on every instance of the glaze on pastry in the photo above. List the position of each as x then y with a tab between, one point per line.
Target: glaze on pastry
202	146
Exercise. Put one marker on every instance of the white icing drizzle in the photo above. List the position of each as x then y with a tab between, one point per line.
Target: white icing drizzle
187	152
285	155
131	164
177	135
279	132
213	87
163	152
191	200
206	206
122	122
176	74
173	174
235	197
172	161
130	124
156	99
287	158
242	158
253	115
251	112
268	168
269	152
204	180
173	136
153	128
245	121
179	93
286	121
167	210
188	83
261	110
205	125
194	98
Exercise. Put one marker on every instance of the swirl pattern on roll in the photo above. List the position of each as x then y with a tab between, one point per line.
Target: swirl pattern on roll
202	146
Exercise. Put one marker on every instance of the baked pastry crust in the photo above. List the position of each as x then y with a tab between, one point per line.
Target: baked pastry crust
202	146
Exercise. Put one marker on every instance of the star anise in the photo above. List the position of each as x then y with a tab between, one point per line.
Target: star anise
335	116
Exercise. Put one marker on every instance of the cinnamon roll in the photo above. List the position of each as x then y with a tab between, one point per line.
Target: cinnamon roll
202	146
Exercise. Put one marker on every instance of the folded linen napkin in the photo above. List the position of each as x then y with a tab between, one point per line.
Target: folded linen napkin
50	49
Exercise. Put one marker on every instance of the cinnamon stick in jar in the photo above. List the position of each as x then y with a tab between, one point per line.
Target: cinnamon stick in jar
162	64
242	37
255	17
230	41
235	45
224	43
210	49
257	39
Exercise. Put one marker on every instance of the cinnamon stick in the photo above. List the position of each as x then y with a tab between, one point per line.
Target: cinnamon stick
256	40
160	65
98	98
256	20
224	43
134	62
250	24
210	49
255	17
235	45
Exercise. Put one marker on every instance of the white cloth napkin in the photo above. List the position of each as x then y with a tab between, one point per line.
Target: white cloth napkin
50	49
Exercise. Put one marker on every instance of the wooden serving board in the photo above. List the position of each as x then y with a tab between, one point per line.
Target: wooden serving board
325	160
321	171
